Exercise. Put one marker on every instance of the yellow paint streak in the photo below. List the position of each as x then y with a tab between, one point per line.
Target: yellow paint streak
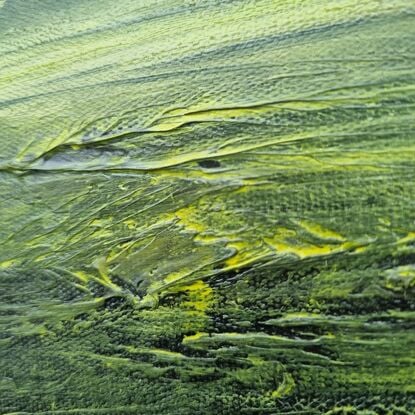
285	388
82	276
317	230
103	279
194	338
173	277
8	263
408	238
286	241
360	249
188	218
200	295
246	253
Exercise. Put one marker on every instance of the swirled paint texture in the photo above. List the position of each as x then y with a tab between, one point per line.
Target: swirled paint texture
207	207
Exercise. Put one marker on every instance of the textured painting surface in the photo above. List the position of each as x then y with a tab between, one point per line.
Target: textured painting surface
207	207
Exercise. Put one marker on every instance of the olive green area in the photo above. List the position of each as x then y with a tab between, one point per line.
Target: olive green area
207	207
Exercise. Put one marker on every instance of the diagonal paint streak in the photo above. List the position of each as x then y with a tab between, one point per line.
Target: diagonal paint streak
207	207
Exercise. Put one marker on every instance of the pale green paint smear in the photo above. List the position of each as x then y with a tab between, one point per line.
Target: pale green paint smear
207	207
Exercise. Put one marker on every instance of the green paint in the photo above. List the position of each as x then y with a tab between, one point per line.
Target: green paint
207	207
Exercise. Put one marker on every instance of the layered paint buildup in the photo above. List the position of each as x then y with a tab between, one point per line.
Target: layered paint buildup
207	207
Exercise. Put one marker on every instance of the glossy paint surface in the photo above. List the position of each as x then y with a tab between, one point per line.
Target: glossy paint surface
207	207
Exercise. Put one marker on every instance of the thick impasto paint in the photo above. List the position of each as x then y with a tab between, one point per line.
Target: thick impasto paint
207	207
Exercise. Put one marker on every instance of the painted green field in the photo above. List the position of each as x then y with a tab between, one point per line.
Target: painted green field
207	207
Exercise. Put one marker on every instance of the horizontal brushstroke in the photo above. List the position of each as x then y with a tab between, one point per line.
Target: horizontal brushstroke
207	207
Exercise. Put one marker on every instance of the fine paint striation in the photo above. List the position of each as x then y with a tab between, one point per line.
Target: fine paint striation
207	207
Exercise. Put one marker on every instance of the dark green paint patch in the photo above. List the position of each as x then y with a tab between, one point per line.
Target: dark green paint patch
207	207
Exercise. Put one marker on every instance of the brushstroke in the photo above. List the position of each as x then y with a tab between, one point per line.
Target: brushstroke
207	207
